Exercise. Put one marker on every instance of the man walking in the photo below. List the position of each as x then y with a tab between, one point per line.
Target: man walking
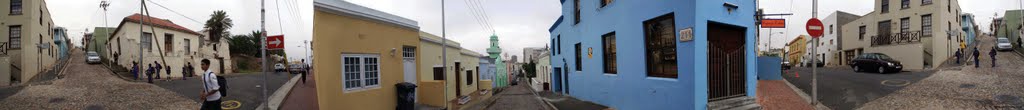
135	70
149	73
302	74
158	67
958	55
184	71
992	53
976	55
211	89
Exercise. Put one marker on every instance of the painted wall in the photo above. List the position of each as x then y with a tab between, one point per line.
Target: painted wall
797	50
36	28
631	88
768	68
934	49
176	58
350	35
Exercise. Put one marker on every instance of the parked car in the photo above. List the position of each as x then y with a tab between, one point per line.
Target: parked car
296	69
786	65
92	57
279	67
876	61
1003	44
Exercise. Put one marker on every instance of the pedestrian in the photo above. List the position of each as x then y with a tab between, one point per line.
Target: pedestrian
168	69
191	70
158	67
958	55
302	74
184	71
149	73
135	70
211	93
976	55
992	53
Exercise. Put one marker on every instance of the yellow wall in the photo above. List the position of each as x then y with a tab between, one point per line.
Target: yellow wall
469	61
30	59
430	90
336	35
797	48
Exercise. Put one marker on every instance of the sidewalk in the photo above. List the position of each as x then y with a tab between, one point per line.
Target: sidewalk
776	95
302	96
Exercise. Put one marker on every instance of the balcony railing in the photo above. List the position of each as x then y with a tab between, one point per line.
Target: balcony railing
897	38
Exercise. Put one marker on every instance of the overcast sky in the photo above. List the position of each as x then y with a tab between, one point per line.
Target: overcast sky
518	23
983	10
78	15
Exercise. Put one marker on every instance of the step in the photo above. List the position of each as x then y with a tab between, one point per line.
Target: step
732	103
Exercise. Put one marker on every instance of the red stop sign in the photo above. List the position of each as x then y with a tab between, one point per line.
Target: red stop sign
815	28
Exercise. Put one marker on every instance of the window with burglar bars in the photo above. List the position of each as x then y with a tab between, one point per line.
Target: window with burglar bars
147	41
926	25
15	37
409	52
608	42
360	71
16	7
660	46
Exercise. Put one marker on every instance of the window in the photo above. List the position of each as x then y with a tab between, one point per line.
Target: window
863	30
469	77
40	17
408	52
579	57
360	71
949	8
608	42
660	47
905	4
606	2
576	13
926	2
15	39
926	25
147	42
885	6
39	50
904	25
188	46
438	72
559	44
15	7
168	43
552	49
831	29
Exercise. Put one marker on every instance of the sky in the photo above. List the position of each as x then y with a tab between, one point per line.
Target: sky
296	16
517	23
983	10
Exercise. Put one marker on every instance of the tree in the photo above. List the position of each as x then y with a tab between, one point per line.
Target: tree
531	69
218	24
245	44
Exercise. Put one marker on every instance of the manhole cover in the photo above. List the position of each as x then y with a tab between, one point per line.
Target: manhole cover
967	85
895	82
94	107
57	100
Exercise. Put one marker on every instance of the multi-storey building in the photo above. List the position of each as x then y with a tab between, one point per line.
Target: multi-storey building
27	44
797	50
919	33
829	45
969	28
655	55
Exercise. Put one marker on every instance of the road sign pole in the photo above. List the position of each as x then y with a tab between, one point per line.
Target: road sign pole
814	59
263	52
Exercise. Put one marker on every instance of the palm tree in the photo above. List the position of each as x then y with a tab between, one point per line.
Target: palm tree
218	24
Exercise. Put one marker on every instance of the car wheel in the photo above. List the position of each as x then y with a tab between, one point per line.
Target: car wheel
856	69
881	70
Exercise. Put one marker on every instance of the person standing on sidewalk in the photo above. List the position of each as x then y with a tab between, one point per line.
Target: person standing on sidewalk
158	67
958	55
184	71
305	69
992	53
211	89
135	70
976	55
149	73
168	69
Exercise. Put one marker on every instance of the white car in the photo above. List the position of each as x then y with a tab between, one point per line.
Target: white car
1003	44
92	57
279	67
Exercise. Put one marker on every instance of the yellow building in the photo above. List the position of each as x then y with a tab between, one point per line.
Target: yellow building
797	48
26	45
360	55
462	65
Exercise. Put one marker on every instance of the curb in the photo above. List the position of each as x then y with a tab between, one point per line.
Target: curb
278	96
537	97
805	96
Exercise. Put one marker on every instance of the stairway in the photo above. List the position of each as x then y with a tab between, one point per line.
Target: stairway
737	103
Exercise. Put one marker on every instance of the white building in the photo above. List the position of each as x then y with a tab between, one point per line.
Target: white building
919	33
174	46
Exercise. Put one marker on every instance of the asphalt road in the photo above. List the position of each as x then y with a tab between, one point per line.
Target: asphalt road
241	87
842	89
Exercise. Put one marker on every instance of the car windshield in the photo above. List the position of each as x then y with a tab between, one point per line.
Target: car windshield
883	56
1003	40
91	54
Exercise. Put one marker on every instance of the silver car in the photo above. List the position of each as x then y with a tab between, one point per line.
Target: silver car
92	57
1003	44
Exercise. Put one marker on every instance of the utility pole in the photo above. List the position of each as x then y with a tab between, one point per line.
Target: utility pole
444	56
263	50
104	4
814	60
141	35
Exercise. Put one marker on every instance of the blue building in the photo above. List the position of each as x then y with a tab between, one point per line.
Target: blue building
60	38
969	28
655	55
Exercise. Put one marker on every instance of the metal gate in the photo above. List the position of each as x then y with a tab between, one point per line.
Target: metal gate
726	72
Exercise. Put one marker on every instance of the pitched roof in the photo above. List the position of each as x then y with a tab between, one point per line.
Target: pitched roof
158	22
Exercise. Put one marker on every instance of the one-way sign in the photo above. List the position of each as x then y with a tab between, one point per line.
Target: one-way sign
275	42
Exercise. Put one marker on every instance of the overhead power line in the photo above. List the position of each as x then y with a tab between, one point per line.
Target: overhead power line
175	12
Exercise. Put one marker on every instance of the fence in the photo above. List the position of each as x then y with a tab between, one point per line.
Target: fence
897	38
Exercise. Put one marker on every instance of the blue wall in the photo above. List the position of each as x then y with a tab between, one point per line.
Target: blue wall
631	88
769	68
968	27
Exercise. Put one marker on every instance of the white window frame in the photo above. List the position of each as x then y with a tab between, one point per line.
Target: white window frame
362	71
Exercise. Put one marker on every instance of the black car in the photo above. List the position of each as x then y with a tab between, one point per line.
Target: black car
786	65
875	61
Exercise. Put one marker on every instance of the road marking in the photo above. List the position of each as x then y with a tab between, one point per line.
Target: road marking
895	82
230	104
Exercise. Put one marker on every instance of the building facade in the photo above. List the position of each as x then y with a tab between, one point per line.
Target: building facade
666	58
99	36
969	28
458	82
797	50
918	33
830	46
27	45
364	57
163	42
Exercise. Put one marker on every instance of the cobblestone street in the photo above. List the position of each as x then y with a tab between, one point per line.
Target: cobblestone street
92	87
965	87
518	97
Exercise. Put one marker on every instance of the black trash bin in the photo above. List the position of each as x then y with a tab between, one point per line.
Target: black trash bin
406	96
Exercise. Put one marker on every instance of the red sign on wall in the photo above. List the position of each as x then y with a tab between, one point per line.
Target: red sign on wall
275	42
773	23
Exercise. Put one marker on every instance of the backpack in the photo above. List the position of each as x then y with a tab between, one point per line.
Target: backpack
223	83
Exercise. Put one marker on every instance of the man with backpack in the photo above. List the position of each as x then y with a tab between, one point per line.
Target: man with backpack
158	67
211	88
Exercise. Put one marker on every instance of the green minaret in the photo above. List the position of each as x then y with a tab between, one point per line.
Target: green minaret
501	76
